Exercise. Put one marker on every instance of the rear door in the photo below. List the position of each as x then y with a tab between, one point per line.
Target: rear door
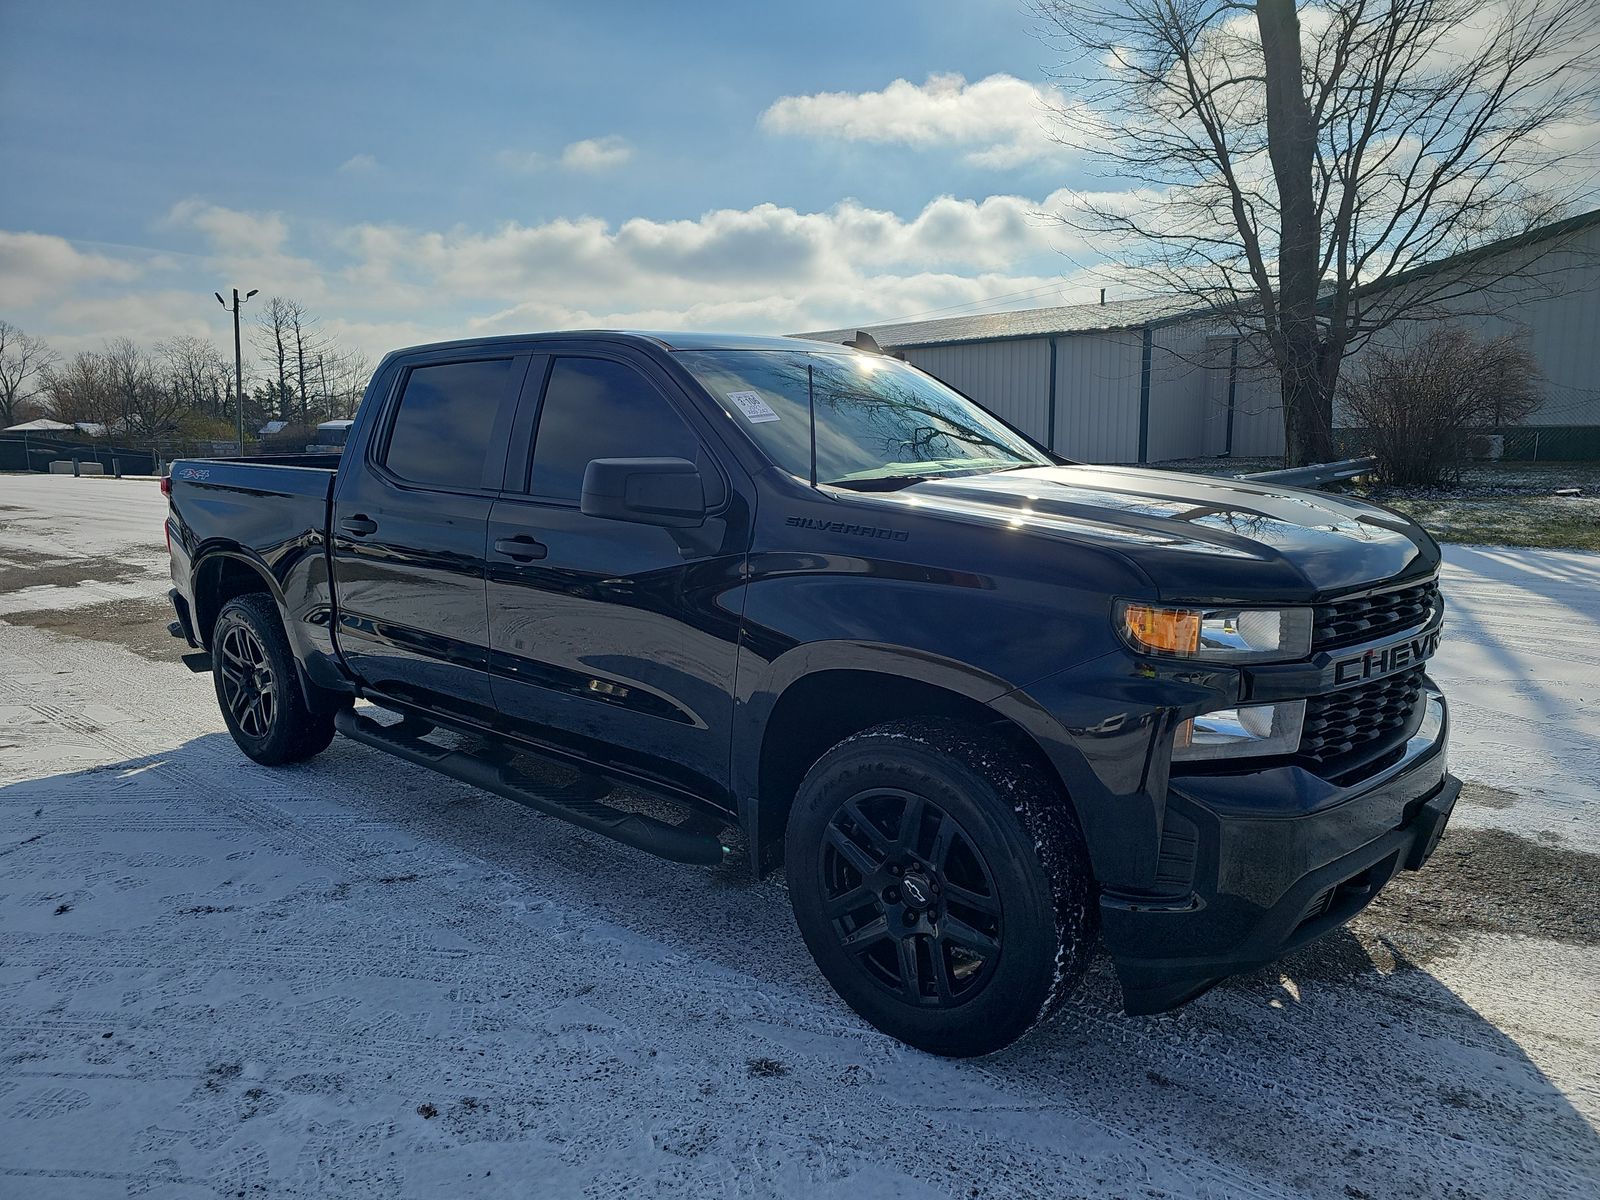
611	639
408	529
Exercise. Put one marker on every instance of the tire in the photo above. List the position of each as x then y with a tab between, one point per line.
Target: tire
258	685
984	905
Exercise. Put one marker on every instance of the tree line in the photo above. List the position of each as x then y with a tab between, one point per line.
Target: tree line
183	387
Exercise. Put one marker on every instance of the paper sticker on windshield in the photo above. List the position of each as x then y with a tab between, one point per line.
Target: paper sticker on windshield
754	408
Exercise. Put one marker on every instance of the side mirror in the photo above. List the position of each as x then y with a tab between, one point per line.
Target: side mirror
646	491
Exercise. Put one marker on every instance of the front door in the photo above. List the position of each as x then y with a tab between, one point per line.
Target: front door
614	640
409	527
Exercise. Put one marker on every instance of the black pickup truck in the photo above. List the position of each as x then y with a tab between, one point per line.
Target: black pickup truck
983	706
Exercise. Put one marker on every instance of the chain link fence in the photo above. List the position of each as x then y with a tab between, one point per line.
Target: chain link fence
118	456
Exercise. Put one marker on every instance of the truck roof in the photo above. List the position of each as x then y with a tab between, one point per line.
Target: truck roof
678	340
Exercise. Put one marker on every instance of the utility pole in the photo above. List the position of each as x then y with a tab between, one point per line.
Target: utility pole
238	356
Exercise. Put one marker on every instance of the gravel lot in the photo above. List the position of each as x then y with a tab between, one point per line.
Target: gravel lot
351	978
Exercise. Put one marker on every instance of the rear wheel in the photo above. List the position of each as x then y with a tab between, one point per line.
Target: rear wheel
941	884
258	687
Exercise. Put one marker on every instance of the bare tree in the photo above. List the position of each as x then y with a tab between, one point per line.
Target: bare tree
202	377
143	406
25	360
307	342
346	380
275	337
1296	174
79	390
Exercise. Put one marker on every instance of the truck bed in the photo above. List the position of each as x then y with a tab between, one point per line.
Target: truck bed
260	503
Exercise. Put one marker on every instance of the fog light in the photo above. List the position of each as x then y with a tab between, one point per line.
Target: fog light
1255	730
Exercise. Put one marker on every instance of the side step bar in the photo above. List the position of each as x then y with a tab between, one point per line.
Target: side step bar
577	802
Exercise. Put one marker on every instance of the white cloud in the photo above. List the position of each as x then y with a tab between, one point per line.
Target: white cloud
597	154
358	164
1000	121
228	230
38	267
249	249
146	316
588	156
765	268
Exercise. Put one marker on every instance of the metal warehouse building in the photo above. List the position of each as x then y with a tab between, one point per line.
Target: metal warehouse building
1155	379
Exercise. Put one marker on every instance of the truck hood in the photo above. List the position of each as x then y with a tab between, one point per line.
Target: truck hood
1195	536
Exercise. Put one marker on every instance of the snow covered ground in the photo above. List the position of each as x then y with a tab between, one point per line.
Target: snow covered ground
354	979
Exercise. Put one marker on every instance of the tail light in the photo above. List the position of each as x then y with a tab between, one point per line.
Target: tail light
166	485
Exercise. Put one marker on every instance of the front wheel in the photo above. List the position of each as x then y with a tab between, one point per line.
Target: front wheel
258	688
940	881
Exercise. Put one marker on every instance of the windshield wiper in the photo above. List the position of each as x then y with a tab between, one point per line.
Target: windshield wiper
880	483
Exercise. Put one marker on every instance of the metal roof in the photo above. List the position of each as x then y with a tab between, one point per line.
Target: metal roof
1137	314
1023	323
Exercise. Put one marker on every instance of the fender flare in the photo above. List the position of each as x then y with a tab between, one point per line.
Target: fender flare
208	554
758	701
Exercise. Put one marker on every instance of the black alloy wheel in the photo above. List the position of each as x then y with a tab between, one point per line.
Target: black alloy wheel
940	880
911	897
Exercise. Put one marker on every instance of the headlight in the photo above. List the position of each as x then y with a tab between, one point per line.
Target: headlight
1256	729
1228	635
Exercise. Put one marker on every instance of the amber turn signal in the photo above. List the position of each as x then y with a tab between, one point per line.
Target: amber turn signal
1169	630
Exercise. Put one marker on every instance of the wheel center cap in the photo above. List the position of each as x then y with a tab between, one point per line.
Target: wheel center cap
917	889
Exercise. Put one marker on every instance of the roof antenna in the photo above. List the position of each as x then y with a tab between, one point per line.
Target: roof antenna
811	404
865	341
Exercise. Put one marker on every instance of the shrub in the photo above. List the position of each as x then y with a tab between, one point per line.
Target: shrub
1418	406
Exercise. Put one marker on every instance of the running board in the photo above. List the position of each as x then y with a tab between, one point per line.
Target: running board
577	802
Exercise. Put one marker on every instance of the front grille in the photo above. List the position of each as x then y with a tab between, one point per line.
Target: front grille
1348	728
1363	618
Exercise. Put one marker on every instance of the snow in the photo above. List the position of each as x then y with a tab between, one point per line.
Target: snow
351	978
1520	665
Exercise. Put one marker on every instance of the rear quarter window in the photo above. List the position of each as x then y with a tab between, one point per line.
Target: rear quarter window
442	429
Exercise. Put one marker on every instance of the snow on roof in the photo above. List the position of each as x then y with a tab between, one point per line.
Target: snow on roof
272	427
42	425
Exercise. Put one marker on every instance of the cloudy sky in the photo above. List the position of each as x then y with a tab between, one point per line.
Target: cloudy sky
413	171
409	174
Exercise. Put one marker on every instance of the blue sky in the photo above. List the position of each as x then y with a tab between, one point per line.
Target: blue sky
256	106
411	170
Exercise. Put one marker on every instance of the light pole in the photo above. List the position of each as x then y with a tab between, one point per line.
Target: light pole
238	356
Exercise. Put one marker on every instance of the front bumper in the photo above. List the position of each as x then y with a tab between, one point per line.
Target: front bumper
1264	882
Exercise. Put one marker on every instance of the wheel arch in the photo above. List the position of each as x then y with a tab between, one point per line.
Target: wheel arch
838	696
221	574
225	573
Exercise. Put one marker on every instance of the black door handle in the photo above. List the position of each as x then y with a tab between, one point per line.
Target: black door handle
359	525
522	548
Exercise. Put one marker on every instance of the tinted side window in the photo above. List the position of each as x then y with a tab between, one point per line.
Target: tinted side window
446	417
598	409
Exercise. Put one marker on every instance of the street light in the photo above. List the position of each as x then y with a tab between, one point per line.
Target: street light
238	356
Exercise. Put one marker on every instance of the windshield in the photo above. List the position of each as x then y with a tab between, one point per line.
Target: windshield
877	418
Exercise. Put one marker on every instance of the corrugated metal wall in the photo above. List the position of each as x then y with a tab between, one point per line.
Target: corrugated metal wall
1098	374
1010	378
1257	401
1097	396
1097	388
1554	307
1181	421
